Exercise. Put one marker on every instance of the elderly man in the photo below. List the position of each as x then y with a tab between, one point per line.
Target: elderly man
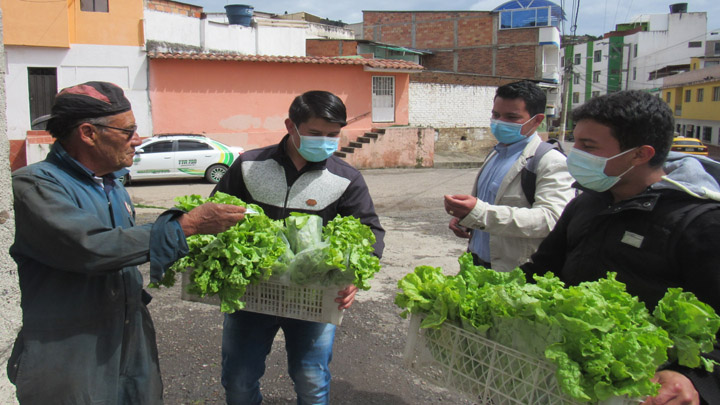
87	336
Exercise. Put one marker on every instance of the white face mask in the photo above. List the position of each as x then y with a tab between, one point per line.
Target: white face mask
589	170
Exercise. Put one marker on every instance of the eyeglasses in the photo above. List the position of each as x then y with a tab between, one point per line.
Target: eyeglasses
127	131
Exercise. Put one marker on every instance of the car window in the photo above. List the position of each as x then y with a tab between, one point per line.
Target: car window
686	143
157	147
184	146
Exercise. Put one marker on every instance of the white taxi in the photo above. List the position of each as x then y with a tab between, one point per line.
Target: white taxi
181	156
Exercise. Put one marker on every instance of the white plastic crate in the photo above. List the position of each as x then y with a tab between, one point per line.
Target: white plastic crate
309	303
482	370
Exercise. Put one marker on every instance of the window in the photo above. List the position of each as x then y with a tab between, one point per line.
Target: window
530	17
694	44
158	147
688	95
667	97
94	5
700	94
562	62
576	78
707	134
635	47
597	56
716	93
184	146
634	73
717	48
576	98
596	76
577	59
596	94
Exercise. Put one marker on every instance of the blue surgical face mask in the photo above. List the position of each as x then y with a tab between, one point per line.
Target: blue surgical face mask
589	170
316	148
507	132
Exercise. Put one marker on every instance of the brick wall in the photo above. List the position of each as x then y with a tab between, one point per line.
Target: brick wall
461	41
322	47
450	105
460	79
173	7
517	61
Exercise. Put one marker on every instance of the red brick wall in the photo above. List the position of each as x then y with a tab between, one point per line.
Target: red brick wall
459	78
320	47
17	154
462	36
169	6
516	61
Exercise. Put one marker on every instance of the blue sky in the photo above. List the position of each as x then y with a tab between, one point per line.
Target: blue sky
595	16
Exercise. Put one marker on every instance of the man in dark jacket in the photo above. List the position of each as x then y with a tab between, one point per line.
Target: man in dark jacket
655	226
87	336
300	174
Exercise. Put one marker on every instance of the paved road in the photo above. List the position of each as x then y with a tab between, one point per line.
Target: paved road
367	366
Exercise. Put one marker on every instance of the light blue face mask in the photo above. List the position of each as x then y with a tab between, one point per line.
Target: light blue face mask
589	170
316	148
507	132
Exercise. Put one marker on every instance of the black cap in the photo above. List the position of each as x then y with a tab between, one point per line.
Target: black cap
87	100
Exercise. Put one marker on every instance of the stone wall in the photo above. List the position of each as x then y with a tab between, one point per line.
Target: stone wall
9	290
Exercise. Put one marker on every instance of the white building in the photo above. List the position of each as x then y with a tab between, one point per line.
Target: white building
636	56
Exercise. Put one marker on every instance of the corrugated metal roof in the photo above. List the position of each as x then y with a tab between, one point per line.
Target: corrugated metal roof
319	60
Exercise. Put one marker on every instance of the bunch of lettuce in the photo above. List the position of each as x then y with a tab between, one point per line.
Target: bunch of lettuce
226	263
338	254
603	341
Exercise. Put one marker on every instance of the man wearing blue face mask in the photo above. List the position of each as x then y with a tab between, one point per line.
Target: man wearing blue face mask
504	227
653	222
300	174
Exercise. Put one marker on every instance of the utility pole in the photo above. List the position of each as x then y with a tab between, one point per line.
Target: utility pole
567	77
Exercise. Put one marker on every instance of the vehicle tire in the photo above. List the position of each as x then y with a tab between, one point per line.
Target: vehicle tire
215	172
125	180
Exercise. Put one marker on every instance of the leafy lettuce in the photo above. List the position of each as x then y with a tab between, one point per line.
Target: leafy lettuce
603	341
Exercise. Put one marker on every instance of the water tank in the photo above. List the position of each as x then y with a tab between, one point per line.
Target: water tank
239	14
678	8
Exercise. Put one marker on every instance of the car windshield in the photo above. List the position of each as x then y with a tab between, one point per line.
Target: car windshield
694	143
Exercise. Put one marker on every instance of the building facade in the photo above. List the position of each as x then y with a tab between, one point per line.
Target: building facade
694	97
637	56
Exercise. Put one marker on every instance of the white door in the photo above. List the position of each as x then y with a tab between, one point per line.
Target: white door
383	98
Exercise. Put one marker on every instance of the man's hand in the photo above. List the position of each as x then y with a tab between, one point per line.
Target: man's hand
346	297
676	390
459	205
211	218
459	231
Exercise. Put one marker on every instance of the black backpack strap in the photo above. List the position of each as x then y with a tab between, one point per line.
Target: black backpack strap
528	175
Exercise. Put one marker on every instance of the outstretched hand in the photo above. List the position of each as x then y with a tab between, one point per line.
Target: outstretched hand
211	218
459	205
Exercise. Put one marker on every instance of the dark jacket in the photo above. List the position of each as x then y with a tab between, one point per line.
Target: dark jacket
665	237
267	177
87	336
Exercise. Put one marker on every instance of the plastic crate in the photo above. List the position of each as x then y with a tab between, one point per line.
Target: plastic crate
482	370
309	303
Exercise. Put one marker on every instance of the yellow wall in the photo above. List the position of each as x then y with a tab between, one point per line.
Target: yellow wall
694	110
60	23
122	25
35	23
